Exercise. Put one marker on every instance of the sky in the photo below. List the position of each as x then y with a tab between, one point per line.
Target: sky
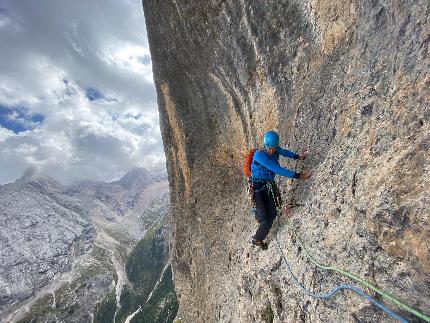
77	99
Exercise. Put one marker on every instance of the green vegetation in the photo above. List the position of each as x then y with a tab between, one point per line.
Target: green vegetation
163	305
42	308
48	307
125	242
147	261
144	267
105	310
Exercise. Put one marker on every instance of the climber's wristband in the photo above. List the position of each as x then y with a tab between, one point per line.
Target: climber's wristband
297	175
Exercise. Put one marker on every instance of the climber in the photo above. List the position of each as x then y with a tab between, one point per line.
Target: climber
264	167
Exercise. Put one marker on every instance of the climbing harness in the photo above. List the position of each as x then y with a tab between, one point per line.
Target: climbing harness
272	188
337	289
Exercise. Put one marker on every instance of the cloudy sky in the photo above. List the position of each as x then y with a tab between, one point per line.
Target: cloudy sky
77	99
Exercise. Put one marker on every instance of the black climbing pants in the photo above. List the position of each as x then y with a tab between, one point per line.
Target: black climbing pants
265	209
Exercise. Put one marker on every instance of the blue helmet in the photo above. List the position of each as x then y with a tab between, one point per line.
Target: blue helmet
271	139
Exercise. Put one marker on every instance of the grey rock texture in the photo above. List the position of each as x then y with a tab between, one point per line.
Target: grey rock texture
42	231
346	80
63	249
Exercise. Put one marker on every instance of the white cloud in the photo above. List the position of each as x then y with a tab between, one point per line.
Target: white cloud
127	57
5	134
53	54
4	21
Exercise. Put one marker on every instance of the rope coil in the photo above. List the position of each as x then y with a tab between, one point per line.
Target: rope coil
337	289
356	278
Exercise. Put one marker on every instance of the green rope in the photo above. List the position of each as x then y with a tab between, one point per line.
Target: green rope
356	278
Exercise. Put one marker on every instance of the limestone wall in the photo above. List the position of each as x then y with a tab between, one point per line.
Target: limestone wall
346	80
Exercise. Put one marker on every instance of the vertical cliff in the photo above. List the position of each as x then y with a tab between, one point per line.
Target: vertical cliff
346	80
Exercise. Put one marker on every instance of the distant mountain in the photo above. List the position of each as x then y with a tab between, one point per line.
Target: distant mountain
117	197
42	231
135	178
64	248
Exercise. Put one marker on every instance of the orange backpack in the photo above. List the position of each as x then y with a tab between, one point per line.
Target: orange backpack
248	161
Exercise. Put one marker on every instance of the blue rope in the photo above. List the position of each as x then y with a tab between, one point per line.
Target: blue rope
337	289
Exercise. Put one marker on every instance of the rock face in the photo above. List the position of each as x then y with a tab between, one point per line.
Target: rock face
349	82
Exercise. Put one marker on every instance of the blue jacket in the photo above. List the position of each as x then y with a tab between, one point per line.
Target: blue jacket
264	167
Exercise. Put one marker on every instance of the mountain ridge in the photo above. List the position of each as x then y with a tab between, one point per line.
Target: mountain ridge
49	231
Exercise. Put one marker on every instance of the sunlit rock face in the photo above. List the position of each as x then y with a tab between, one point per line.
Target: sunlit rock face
346	80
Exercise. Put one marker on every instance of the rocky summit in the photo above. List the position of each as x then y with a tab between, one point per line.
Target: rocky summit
347	81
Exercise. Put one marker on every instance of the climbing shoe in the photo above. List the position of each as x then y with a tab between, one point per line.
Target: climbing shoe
259	243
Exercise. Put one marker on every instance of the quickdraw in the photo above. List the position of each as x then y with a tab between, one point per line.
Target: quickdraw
287	207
